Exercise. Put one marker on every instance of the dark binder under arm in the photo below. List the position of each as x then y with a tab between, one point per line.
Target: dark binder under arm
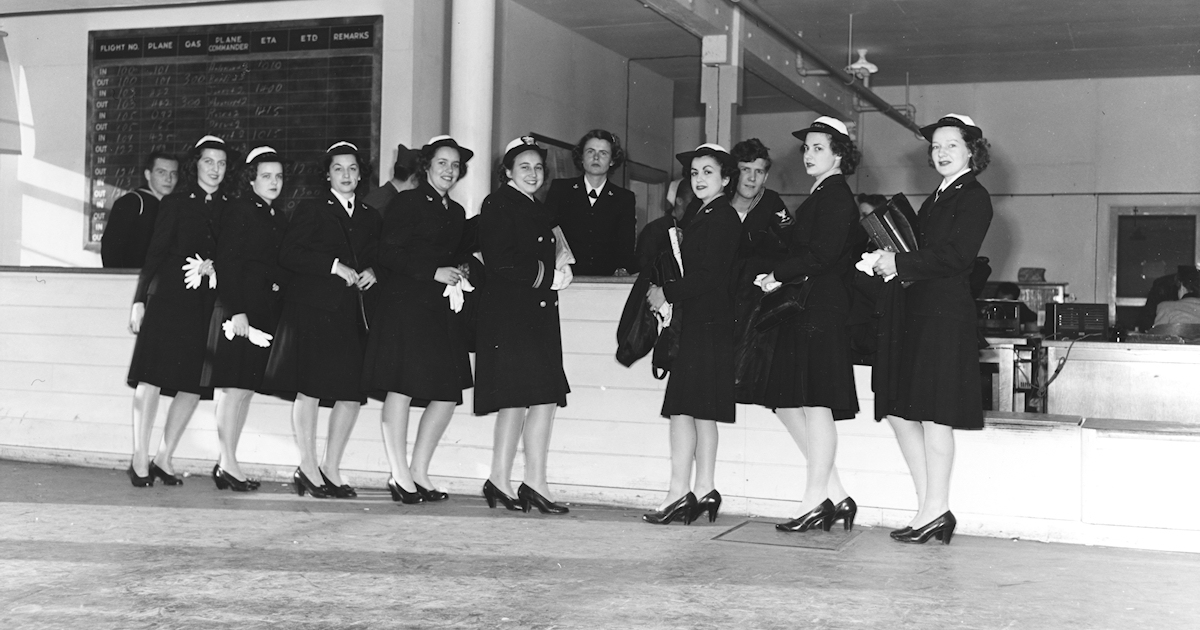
889	226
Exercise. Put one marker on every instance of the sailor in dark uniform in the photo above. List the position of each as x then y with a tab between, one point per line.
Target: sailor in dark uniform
597	216
130	222
172	307
317	354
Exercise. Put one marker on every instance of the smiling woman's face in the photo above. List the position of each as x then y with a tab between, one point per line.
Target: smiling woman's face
444	169
527	172
707	182
949	151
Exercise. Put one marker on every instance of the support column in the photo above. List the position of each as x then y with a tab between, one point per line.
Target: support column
721	83
472	77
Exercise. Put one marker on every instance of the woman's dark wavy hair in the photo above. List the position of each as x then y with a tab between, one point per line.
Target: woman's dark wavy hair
425	158
848	151
618	154
364	170
189	173
977	145
247	174
750	150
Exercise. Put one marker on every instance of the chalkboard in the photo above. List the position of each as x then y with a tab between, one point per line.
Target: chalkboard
298	86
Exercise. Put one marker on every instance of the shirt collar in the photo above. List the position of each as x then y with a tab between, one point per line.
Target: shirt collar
344	199
950	180
589	188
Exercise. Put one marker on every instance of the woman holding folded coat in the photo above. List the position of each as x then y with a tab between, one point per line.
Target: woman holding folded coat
172	307
417	350
249	298
317	354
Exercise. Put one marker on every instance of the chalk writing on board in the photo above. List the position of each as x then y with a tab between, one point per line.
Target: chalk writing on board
298	86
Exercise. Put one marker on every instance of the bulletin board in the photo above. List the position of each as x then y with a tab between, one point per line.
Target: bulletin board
297	86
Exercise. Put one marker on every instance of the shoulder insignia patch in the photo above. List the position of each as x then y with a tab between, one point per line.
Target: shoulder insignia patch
784	217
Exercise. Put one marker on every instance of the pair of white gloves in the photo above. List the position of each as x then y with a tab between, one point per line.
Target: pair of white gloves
195	269
454	292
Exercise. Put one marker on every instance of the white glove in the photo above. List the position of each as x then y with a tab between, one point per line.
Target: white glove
195	269
562	278
454	292
256	336
867	265
663	314
767	286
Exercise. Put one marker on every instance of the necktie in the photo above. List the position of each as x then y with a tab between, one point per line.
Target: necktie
445	202
593	195
349	207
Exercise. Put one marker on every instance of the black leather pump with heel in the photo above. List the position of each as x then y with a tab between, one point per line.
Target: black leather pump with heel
820	516
304	484
941	528
710	503
495	495
400	495
844	511
682	508
530	497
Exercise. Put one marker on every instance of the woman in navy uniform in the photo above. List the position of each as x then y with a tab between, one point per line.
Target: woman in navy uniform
937	371
810	383
518	361
171	310
317	354
417	351
248	296
700	388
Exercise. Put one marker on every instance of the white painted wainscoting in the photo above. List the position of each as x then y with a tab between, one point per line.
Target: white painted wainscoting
64	351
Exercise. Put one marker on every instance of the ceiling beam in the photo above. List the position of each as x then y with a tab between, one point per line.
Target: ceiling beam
763	52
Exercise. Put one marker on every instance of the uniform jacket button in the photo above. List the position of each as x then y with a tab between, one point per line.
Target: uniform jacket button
539	239
542	304
556	302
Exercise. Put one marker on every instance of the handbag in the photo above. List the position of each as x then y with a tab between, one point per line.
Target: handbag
782	305
638	329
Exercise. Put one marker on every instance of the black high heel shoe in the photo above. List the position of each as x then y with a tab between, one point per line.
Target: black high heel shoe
528	496
494	494
682	508
710	503
820	516
344	491
844	511
168	480
404	496
900	532
304	484
431	496
137	480
224	480
941	528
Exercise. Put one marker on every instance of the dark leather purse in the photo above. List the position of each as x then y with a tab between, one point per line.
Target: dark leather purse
782	305
638	329
666	348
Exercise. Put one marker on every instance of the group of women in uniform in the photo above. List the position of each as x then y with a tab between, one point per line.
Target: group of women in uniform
338	305
341	303
739	243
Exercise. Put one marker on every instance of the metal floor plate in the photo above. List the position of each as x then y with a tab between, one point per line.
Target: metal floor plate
764	533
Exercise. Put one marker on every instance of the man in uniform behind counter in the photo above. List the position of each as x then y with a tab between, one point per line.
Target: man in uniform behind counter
131	220
597	217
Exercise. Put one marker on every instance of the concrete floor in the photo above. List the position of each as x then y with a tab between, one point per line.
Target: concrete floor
81	548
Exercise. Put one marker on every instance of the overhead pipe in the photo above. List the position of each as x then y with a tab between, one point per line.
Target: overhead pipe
777	27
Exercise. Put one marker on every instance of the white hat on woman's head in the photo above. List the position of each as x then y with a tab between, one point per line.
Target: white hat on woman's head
953	120
825	124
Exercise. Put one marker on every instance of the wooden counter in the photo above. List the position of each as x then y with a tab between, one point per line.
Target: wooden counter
1125	381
